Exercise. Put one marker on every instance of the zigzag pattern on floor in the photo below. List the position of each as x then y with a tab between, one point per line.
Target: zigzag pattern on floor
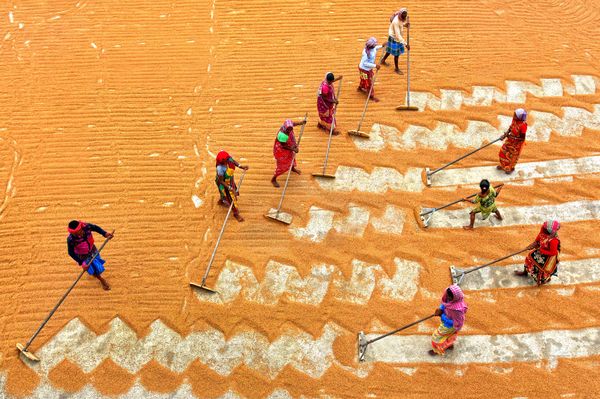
477	133
571	272
548	345
574	211
285	281
516	92
382	179
321	221
120	343
47	391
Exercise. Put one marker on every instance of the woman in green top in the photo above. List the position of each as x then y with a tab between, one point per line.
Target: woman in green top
486	203
284	148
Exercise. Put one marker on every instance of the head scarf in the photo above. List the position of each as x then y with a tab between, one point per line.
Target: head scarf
288	124
458	302
551	226
398	13
76	229
222	156
371	43
521	114
329	77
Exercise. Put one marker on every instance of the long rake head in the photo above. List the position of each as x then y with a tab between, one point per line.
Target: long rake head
427	176
27	354
425	216
358	133
280	216
204	288
457	275
362	346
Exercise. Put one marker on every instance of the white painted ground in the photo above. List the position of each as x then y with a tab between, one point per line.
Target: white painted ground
523	171
547	345
380	180
572	123
519	215
295	348
46	391
572	272
322	221
285	281
516	92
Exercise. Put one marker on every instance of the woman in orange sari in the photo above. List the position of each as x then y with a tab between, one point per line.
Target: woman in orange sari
515	138
542	262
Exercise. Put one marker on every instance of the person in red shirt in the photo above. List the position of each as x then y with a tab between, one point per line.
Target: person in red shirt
542	262
515	138
81	247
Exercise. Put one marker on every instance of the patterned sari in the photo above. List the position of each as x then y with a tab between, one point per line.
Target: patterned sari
366	79
443	338
284	156
452	320
228	196
326	104
511	149
542	263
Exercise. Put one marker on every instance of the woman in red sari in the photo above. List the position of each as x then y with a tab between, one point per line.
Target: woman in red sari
284	148
326	103
542	262
515	138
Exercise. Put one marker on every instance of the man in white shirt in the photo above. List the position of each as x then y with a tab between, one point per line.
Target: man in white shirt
396	42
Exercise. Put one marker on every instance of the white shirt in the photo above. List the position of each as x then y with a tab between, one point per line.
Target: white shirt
367	61
396	29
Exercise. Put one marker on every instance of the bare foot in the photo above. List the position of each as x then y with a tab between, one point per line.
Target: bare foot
498	217
375	99
508	172
360	89
274	182
105	285
450	347
384	63
499	167
321	127
296	170
398	71
238	217
520	272
224	203
468	227
335	132
431	352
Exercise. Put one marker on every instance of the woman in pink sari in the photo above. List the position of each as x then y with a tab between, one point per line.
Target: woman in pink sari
452	314
284	148
326	103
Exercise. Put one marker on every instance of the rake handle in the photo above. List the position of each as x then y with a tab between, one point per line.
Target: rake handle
337	97
494	261
399	329
454	202
408	62
287	179
464	156
88	261
212	257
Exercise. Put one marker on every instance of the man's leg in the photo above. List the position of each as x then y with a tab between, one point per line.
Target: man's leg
471	222
397	70
385	58
104	283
